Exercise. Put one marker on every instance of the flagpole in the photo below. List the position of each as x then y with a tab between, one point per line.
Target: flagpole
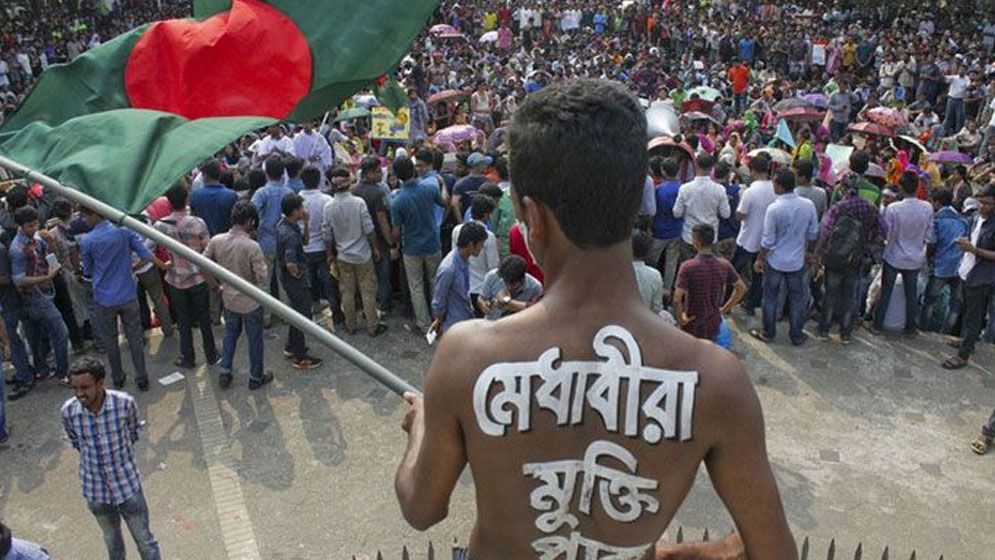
354	356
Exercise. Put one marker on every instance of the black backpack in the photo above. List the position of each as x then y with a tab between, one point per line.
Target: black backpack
846	247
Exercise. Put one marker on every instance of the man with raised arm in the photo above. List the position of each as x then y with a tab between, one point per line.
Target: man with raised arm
584	417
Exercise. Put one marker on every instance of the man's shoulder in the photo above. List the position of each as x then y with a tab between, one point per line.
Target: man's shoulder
70	408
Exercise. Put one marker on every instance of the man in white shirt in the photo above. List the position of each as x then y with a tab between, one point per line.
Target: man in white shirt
274	143
700	201
753	203
489	258
315	254
313	148
958	81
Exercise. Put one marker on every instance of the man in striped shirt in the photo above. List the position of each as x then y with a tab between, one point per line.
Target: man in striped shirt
103	426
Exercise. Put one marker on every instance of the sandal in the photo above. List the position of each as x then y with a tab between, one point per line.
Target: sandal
981	445
955	363
759	335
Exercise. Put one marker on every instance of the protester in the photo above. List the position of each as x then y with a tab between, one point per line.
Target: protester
105	254
665	251
213	201
944	257
508	289
702	201
752	209
189	289
268	201
702	285
370	189
649	280
315	250
451	302
103	426
488	259
290	241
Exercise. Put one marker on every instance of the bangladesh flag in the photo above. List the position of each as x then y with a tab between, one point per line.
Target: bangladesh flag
127	119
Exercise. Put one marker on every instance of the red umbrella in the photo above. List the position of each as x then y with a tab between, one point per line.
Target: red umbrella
661	141
873	129
891	118
697	105
445	95
803	114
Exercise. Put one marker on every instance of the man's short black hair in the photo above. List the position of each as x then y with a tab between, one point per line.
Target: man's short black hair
704	234
656	165
274	168
404	168
860	161
705	161
256	178
470	233
369	163
211	170
290	203
943	196
25	215
579	147
909	182
760	163
786	179
501	166
311	177
244	212
177	196
293	166
670	166
804	168
640	246
425	156
17	197
481	205
337	171
492	190
89	365
62	208
512	269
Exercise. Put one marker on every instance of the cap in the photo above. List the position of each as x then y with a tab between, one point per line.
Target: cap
970	204
478	159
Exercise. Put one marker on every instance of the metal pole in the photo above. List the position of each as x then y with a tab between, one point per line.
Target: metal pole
354	356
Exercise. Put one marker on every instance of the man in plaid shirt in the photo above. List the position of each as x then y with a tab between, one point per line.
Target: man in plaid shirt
103	426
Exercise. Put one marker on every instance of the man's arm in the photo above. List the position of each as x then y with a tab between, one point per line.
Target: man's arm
740	471
739	290
435	456
71	434
680	204
724	209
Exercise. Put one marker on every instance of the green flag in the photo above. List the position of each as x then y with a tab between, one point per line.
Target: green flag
123	121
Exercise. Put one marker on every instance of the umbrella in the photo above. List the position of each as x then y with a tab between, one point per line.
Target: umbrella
456	134
915	143
705	92
661	119
874	170
817	100
698	116
350	114
803	114
777	156
442	28
697	105
791	103
450	35
951	157
872	129
445	95
665	143
489	37
892	118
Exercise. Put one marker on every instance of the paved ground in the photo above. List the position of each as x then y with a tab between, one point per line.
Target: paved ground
869	444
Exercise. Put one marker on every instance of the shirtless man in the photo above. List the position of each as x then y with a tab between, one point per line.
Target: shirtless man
562	472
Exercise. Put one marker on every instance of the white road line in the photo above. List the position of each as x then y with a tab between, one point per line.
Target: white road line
229	502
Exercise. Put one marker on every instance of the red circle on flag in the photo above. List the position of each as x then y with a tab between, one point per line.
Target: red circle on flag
249	61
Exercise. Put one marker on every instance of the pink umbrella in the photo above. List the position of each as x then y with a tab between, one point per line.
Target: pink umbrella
445	95
456	134
892	118
873	129
951	157
803	114
442	28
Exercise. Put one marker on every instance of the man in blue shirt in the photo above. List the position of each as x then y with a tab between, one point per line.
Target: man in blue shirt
33	278
789	225
412	215
451	299
267	201
948	227
105	253
666	227
213	201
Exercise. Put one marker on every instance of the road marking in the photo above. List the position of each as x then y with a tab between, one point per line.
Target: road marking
229	502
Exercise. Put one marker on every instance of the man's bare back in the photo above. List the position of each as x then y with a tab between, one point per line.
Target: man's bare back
584	419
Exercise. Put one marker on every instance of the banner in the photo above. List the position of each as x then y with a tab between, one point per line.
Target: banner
819	54
388	126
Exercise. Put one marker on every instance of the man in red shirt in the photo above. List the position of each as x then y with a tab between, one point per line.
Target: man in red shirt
702	284
739	77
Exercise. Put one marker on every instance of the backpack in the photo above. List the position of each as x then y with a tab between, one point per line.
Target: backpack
846	247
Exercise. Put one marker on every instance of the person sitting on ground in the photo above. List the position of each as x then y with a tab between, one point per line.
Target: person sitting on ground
508	289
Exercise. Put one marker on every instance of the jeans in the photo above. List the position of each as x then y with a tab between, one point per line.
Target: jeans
837	130
664	254
18	353
384	290
739	101
837	303
946	321
989	429
953	119
976	301
743	262
253	323
299	294
775	282
3	406
135	513
151	282
417	268
989	335
105	321
361	277
910	279
322	283
49	331
193	306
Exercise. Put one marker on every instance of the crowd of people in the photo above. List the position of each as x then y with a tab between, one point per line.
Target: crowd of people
823	162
